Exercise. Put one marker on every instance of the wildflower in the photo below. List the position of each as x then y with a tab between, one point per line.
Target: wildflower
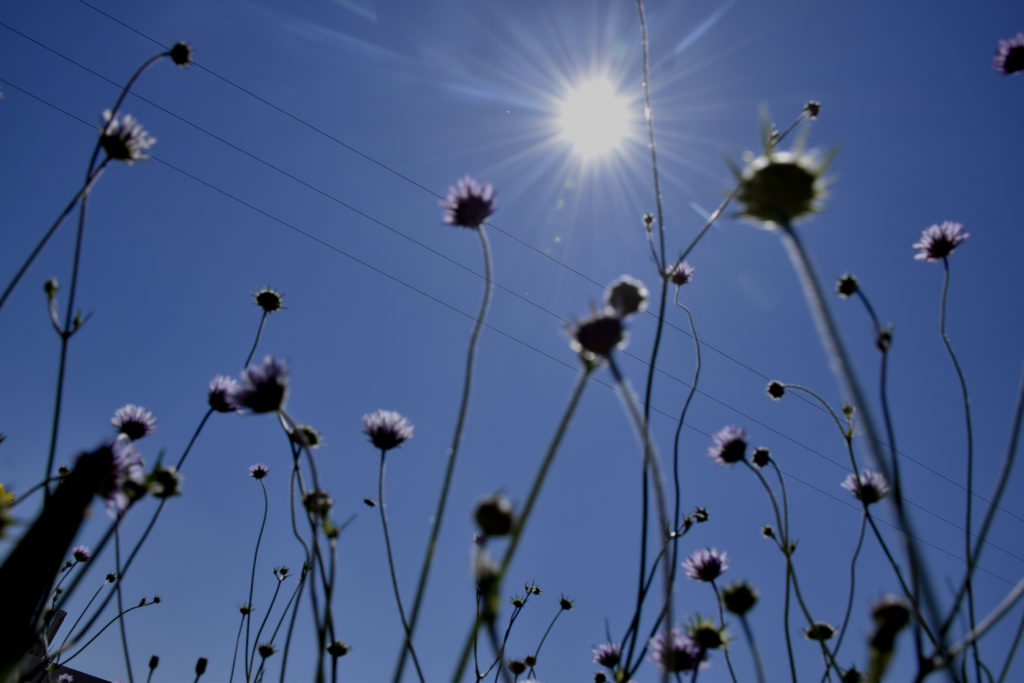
777	188
890	615
220	394
125	466
1010	55
65	678
517	666
154	662
739	598
648	219
81	553
730	445
812	109
258	471
50	287
819	631
133	421
469	204
494	515
281	573
599	677
626	296
387	429
317	502
244	610
517	601
761	457
530	660
200	666
706	564
565	603
304	435
847	286
767	531
870	488
125	139
337	649
263	388
598	335
181	53
608	654
676	652
706	634
681	273
265	650
269	300
939	241
165	482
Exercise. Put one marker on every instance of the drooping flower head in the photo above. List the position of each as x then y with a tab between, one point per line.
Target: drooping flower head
677	652
264	387
133	421
221	394
387	429
608	654
469	204
730	445
125	139
872	486
598	335
939	241
681	274
1009	57
706	564
81	553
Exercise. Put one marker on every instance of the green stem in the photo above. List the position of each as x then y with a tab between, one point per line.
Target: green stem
721	620
758	667
252	581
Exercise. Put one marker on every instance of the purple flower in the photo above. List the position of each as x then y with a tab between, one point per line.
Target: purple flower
125	139
1010	55
469	203
939	241
872	486
387	429
681	274
730	445
608	654
81	553
706	565
258	471
264	387
221	394
678	652
133	421
125	466
65	678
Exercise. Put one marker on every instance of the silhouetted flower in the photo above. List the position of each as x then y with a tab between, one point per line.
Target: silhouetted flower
812	109
681	274
125	466
761	456
270	300
677	652
469	204
598	335
1010	55
337	649
776	390
165	482
939	241
565	603
847	286
705	634
125	139
264	387
706	564
81	553
626	296
777	188
494	515
133	421
65	678
221	394
872	486
387	429
608	654
181	53
739	598
730	445
819	631
265	650
304	435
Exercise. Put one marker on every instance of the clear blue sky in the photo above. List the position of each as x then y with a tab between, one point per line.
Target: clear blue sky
380	296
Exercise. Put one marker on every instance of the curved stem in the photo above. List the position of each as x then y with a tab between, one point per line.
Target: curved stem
721	620
120	604
853	578
435	530
256	341
252	581
234	656
758	667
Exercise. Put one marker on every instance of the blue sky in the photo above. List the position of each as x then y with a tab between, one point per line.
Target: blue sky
334	203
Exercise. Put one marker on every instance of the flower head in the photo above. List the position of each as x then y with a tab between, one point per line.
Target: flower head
847	286
608	654
181	53
494	515
675	652
125	139
133	421
939	241
777	188
81	553
221	394
706	564
730	445
270	300
706	634
387	429
871	488
681	273
337	649
264	387
1010	55
598	335
305	435
469	204
820	631
165	482
739	598
125	466
65	678
776	390
761	457
626	296
265	650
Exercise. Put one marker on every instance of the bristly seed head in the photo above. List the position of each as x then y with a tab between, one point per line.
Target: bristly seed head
847	286
125	139
270	300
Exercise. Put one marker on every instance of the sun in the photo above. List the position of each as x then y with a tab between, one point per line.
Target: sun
594	118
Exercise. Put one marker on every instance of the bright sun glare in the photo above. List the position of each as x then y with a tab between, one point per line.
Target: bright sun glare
594	118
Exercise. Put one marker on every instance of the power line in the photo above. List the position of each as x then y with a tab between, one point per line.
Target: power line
379	271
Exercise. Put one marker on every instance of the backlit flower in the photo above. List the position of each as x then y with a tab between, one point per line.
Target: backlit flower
598	335
706	564
221	394
681	274
778	188
730	445
626	296
181	53
939	241
133	421
608	654
81	553
676	652
264	387
270	300
1010	55
387	429
872	487
125	139
469	204
125	466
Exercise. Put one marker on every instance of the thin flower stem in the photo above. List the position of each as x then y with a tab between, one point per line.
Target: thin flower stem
263	623
679	426
842	367
80	615
256	341
824	404
758	667
234	656
435	530
1007	603
391	565
1013	651
531	499
291	622
721	620
107	625
120	604
252	580
536	653
853	584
